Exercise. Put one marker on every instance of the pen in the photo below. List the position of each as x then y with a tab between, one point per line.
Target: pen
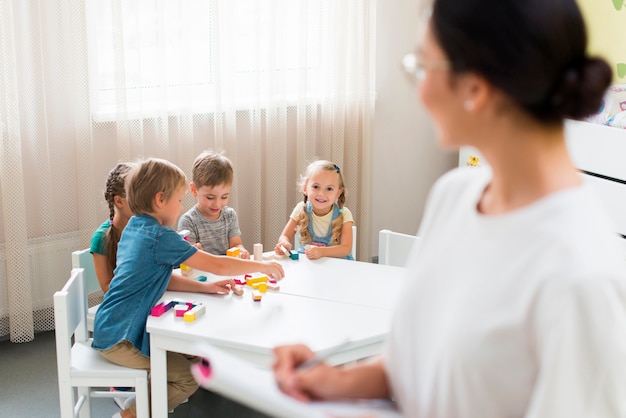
321	356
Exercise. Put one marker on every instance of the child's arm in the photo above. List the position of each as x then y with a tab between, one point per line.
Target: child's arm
341	250
286	237
236	242
181	283
103	271
222	265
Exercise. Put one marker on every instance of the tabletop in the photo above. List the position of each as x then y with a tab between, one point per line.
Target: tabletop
321	303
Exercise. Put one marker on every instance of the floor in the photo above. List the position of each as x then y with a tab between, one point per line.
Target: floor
29	387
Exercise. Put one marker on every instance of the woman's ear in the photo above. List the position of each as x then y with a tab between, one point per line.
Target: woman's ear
476	92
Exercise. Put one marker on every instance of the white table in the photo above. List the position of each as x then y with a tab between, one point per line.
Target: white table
321	303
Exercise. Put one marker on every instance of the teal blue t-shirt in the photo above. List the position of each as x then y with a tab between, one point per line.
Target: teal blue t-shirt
146	256
98	241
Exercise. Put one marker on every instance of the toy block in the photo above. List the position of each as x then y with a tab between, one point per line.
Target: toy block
261	286
238	290
258	252
256	296
271	281
180	309
273	286
161	307
185	234
185	270
233	252
256	279
178	301
239	281
195	313
201	278
294	256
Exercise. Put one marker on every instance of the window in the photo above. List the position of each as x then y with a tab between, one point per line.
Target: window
172	55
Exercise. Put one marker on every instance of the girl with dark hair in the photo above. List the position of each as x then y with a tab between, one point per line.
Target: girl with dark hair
104	241
515	304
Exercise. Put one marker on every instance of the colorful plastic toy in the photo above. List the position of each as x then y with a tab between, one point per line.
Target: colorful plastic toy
233	252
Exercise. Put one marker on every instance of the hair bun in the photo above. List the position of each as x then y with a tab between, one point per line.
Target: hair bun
581	89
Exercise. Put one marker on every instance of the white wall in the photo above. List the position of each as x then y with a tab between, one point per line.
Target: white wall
406	157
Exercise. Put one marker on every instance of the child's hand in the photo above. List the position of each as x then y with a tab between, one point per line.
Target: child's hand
243	253
278	250
273	269
198	245
221	287
313	252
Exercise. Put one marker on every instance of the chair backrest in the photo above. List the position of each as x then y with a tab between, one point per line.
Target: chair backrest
83	259
354	241
70	316
394	248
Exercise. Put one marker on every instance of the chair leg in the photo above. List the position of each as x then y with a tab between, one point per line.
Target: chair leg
142	401
85	411
67	400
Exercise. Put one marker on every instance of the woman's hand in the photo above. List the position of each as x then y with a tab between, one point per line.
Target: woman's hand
316	382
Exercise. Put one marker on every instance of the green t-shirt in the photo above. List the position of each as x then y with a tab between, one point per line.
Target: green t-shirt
98	239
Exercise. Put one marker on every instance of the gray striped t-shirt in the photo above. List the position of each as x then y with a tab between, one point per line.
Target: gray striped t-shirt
213	235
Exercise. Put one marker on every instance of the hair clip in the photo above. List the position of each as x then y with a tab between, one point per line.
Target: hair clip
337	168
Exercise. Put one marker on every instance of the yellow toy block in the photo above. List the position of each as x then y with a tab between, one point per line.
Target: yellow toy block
261	286
194	313
185	270
256	296
256	279
233	252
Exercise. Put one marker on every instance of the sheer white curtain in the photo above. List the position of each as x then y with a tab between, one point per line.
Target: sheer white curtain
85	84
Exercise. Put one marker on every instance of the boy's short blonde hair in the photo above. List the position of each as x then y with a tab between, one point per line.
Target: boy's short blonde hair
150	177
212	169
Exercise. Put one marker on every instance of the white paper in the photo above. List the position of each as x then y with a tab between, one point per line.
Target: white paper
256	388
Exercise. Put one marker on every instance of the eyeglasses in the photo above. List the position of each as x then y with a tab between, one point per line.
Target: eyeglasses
416	68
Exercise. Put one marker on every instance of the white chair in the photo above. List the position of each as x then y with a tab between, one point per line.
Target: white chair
354	241
394	248
80	366
83	259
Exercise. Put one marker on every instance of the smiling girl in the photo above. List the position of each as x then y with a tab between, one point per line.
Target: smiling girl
323	223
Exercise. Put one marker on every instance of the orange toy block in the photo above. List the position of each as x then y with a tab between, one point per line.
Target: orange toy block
233	252
256	296
256	279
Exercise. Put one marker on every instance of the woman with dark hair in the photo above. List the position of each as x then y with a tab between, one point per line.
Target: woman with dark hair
515	303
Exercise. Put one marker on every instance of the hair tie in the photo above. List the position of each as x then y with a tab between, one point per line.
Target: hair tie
110	222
